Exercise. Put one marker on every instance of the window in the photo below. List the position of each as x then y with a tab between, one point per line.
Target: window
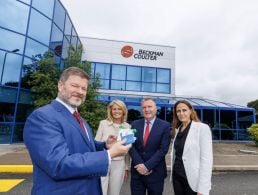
148	74
133	78
68	26
56	41
163	75
148	87
41	34
11	41
118	72
46	6
117	85
14	15
133	73
11	70
34	48
133	86
59	15
163	88
103	70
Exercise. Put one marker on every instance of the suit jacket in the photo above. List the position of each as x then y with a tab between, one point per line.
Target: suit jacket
153	154
64	160
197	157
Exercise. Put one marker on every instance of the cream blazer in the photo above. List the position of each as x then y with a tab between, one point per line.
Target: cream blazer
107	128
197	157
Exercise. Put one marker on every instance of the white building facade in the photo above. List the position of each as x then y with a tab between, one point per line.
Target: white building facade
128	68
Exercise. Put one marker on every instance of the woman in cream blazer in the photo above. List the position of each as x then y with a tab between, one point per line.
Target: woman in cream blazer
191	153
116	117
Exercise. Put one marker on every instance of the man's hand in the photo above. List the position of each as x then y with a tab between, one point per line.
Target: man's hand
110	141
142	169
118	149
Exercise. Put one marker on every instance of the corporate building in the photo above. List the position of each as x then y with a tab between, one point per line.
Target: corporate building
127	71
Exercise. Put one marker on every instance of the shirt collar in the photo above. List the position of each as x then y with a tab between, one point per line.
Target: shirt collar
151	121
70	108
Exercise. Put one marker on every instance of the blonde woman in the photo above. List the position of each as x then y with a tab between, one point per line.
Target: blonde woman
116	117
191	152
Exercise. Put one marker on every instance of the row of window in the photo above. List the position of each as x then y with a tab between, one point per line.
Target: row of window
132	78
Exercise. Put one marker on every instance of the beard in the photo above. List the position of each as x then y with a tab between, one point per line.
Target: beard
74	100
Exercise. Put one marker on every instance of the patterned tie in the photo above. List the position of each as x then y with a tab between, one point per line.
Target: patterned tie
79	120
146	133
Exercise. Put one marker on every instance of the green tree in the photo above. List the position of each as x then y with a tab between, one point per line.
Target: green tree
253	132
42	76
253	104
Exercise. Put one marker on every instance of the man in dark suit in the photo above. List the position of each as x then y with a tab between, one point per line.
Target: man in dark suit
148	166
66	158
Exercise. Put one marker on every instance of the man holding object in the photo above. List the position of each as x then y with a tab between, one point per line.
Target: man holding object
66	158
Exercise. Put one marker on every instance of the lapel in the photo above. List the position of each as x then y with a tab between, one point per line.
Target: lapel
142	131
190	136
70	119
90	134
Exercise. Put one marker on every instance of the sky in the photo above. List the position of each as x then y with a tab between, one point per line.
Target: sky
216	40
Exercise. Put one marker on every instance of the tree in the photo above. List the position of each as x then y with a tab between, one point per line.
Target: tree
253	104
253	132
42	76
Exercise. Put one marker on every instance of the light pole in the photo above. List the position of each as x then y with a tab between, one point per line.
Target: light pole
13	51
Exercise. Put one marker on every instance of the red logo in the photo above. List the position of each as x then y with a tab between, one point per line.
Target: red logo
127	51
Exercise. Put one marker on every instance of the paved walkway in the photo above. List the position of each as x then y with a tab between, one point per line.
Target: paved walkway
227	157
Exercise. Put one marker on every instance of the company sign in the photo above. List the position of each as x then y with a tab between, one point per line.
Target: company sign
127	51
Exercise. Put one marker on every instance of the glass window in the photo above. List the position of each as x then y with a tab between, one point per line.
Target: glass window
163	75
74	38
45	6
5	133
41	34
28	67
59	15
56	40
18	133
163	88
25	106
118	72
65	48
74	41
68	26
34	48
117	85
148	74
148	87
10	73
104	84
11	41
103	70
14	15
133	86
133	73
7	100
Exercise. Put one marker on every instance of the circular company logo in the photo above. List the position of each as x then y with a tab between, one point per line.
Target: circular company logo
127	51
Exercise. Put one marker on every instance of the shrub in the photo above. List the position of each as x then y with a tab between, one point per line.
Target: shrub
253	132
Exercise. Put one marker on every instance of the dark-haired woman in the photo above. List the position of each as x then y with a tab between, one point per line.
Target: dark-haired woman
191	153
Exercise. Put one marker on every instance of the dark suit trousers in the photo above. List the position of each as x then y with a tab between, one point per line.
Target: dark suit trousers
140	185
